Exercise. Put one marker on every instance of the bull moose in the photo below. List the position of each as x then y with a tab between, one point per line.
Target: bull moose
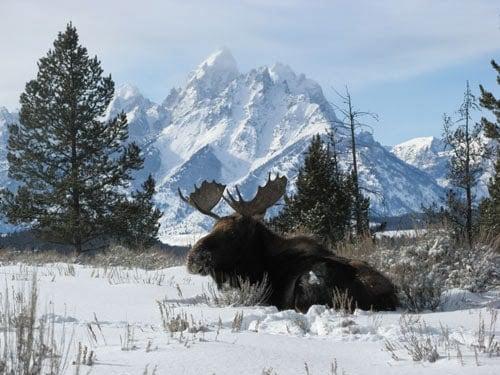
301	271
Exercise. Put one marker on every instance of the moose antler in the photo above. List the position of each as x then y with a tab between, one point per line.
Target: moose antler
266	197
205	197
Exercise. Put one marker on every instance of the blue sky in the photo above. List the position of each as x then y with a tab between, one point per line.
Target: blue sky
406	60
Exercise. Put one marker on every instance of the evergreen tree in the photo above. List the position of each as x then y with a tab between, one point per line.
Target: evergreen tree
323	201
464	141
72	166
490	207
135	221
455	214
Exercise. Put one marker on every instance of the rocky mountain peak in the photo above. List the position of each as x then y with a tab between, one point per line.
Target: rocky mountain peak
213	74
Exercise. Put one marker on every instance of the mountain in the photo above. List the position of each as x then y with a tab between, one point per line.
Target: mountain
237	127
427	154
430	155
6	118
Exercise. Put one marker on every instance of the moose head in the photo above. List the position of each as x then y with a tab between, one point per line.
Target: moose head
232	247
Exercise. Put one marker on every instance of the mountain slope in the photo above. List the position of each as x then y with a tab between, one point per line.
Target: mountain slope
6	118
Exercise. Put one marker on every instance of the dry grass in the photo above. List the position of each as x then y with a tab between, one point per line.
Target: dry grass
415	339
247	294
30	345
342	301
361	249
84	357
427	344
148	372
178	321
152	258
485	335
490	239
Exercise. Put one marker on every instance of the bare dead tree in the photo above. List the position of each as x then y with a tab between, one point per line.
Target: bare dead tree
352	121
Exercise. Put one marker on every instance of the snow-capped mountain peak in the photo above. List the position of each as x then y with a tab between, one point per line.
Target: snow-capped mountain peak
415	146
213	74
6	118
297	84
145	118
430	155
427	154
127	91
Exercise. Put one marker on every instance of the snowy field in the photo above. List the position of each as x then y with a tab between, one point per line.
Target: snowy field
116	313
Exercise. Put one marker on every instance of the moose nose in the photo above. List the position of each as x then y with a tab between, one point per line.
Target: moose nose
199	262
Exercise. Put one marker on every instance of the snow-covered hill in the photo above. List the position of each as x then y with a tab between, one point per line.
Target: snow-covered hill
236	127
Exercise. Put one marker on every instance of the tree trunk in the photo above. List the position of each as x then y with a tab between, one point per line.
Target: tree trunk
468	177
77	237
75	188
357	201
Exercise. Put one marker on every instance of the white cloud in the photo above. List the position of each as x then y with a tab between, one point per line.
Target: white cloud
155	43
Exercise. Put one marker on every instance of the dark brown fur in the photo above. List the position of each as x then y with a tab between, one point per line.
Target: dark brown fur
243	246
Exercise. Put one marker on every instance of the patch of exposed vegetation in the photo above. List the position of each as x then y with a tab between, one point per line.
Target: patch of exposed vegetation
120	256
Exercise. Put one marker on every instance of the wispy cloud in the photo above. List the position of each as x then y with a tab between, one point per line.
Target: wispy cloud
155	43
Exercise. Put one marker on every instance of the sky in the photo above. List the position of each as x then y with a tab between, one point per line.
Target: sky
408	61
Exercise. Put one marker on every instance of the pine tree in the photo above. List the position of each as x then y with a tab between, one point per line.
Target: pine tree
490	207
135	221
463	139
71	165
323	200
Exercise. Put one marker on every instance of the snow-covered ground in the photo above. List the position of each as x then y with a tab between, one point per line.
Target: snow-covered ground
182	239
115	312
400	233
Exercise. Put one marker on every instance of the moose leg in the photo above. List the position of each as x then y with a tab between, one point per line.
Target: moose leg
332	283
311	288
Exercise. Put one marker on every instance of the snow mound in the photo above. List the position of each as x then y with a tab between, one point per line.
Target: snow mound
321	321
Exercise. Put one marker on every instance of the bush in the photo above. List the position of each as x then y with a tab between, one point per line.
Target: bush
432	263
246	294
